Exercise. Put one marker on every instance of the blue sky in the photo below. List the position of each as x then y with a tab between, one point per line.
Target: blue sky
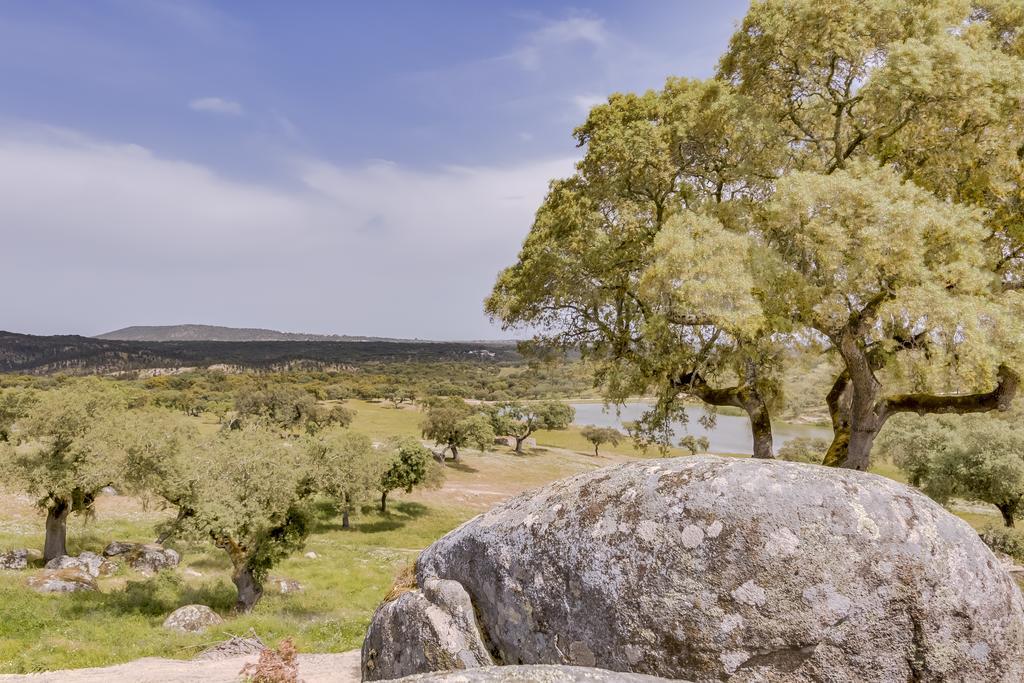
359	168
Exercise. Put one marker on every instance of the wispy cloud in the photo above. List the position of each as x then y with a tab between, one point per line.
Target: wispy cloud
216	105
559	33
156	239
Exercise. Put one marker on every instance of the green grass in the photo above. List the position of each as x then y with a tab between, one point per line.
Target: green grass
342	587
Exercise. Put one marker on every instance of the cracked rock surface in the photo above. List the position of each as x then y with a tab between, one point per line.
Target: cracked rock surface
711	569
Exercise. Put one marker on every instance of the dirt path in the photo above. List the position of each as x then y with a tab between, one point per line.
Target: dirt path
333	668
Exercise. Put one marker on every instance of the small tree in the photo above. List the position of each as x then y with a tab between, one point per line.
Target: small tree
601	435
344	466
283	407
804	449
453	424
695	444
80	439
979	458
520	420
411	465
246	491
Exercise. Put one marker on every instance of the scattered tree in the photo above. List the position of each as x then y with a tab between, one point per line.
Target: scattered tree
245	491
804	449
344	466
520	420
453	424
972	457
81	438
410	464
601	435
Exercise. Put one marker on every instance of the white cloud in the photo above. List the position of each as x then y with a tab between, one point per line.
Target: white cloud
112	234
555	34
585	103
216	105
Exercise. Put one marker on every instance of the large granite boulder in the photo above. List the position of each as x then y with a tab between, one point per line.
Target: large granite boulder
722	569
536	673
192	619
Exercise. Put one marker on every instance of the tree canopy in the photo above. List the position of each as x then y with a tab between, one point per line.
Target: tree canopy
851	177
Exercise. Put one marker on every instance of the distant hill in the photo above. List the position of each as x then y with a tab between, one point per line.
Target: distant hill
218	333
72	354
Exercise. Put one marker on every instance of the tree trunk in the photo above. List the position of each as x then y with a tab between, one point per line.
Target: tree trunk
760	427
596	454
1007	511
745	396
519	443
249	590
455	453
345	505
55	544
384	501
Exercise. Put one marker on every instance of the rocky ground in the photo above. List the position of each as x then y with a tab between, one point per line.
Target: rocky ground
336	668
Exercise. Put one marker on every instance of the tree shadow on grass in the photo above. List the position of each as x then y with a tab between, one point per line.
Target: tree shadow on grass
155	596
399	513
461	467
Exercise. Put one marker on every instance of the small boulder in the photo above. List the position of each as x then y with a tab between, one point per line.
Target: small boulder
17	559
148	558
432	629
90	563
311	555
67	580
235	646
192	619
282	585
115	548
536	673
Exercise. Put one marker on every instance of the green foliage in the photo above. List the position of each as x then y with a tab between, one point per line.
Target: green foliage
851	178
1004	540
410	465
344	466
246	491
80	438
14	405
601	435
804	449
695	444
973	457
520	420
454	424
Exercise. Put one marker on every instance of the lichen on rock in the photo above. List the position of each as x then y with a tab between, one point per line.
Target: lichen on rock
708	568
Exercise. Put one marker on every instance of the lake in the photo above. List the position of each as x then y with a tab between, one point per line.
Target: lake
730	435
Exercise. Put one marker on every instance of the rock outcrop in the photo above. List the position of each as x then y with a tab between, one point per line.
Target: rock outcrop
88	562
192	619
17	559
148	558
707	568
431	629
537	673
61	581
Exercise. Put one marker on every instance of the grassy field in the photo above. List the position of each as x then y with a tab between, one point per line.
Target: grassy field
342	586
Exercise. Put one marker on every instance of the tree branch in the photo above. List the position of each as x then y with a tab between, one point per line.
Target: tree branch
1007	382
